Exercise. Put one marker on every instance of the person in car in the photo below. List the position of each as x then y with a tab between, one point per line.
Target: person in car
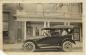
64	32
46	33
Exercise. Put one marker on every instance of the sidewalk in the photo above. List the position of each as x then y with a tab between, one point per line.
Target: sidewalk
78	44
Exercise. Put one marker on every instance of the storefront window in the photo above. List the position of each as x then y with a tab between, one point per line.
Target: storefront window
29	31
5	36
77	31
37	31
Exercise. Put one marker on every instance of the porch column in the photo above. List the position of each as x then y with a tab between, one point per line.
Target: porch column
34	31
48	24
65	23
25	30
81	36
45	23
68	23
40	33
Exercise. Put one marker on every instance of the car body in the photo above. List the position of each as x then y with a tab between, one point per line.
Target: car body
53	39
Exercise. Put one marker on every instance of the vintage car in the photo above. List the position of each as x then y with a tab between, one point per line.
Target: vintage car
52	38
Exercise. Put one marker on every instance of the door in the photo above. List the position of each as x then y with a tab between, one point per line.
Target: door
19	35
76	34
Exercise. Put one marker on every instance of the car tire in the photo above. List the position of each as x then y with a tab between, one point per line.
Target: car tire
67	46
29	46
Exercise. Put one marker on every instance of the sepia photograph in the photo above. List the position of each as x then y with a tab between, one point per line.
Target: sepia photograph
42	27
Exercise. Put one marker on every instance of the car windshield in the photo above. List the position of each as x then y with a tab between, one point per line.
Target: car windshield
50	32
57	31
46	33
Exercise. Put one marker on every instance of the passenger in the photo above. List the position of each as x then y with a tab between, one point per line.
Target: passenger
64	32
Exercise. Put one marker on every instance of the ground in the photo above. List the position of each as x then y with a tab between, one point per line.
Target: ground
18	47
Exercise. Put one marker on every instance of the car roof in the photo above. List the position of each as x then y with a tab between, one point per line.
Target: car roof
58	27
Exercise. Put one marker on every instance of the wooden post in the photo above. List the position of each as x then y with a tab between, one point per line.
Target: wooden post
34	31
68	23
65	23
48	24
24	30
44	23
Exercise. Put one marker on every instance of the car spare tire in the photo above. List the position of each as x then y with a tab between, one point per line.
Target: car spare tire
29	46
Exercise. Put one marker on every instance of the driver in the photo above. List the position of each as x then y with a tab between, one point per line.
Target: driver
46	33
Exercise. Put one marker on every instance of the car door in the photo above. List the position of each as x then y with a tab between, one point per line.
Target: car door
52	39
49	40
55	38
45	40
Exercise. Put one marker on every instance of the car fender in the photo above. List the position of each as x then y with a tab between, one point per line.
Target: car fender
67	39
31	41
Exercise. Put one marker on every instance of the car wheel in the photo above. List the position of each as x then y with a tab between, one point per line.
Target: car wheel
67	46
29	46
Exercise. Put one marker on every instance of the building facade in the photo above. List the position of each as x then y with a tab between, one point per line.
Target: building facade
28	19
